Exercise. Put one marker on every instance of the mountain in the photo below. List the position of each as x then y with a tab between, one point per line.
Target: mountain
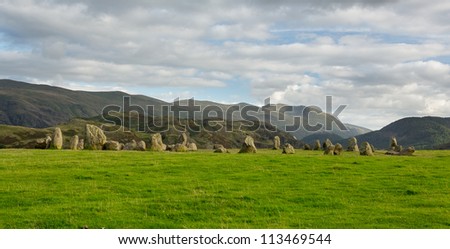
420	132
41	106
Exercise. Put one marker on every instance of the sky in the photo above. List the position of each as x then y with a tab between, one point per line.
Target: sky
384	59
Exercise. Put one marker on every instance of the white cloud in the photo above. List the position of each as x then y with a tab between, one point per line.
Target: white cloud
377	56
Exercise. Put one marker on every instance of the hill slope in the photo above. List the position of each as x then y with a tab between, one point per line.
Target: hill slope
422	133
39	106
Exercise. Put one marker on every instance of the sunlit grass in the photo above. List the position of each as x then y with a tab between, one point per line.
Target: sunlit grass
101	189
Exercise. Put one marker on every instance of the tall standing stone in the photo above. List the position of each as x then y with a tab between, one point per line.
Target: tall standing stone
74	142
248	146
276	143
95	138
57	139
353	145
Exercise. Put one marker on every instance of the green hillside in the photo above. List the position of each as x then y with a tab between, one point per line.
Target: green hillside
422	133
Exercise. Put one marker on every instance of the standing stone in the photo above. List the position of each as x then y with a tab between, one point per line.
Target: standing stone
338	149
81	144
95	138
192	147
57	139
353	145
141	146
306	147
43	143
394	145
157	143
183	139
218	148
317	145
288	149
329	150
112	145
131	145
366	149
248	146
326	144
74	142
276	143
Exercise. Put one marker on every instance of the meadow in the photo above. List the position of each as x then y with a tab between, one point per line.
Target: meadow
127	189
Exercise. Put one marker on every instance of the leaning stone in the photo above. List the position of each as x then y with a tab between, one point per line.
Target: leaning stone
248	146
74	142
276	143
288	149
366	150
183	139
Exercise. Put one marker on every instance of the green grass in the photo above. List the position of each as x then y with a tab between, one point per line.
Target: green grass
72	189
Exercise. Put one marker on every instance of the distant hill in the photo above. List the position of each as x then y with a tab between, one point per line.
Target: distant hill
41	106
420	132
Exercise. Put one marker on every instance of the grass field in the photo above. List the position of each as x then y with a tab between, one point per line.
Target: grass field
102	189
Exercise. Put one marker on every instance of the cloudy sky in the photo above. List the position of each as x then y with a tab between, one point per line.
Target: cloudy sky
384	59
